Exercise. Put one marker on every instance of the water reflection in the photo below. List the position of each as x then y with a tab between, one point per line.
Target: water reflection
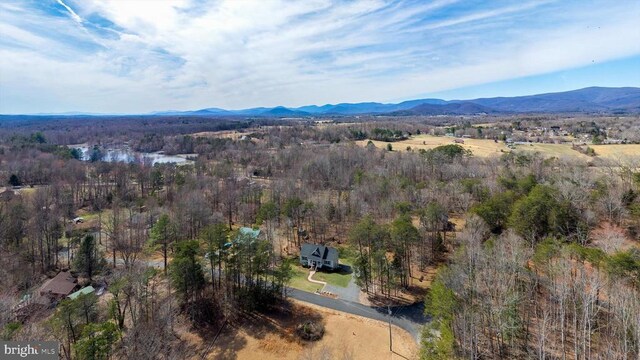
129	156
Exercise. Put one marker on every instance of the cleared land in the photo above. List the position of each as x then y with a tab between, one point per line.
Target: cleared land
488	148
345	335
479	147
616	151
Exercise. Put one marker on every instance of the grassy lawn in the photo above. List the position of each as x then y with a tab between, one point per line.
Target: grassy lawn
91	215
337	278
299	280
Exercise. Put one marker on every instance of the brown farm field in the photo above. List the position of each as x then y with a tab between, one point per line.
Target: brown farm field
489	148
479	147
617	151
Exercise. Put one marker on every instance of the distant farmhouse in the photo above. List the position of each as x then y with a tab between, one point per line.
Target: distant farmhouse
319	257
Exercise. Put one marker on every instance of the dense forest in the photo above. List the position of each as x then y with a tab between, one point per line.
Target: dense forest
536	256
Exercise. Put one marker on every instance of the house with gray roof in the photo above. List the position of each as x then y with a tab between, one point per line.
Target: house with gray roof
319	257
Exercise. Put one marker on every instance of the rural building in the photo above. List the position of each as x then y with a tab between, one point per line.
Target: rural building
84	291
319	256
59	287
247	231
245	235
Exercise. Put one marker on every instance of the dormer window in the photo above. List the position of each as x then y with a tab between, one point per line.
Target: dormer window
316	252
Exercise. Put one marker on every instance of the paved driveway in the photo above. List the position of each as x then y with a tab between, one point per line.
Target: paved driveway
350	293
410	317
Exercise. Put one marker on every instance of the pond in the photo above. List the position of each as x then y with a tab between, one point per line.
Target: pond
125	154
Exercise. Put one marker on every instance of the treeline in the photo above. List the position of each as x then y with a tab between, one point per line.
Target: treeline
536	274
501	298
66	130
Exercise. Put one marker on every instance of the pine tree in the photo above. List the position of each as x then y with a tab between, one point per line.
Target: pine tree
89	260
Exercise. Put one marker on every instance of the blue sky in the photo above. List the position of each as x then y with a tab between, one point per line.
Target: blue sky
126	56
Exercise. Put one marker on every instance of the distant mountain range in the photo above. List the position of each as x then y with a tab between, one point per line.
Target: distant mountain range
624	100
591	100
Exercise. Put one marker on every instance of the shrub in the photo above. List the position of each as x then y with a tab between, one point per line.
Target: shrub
310	330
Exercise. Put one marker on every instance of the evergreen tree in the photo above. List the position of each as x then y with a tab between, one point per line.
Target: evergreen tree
186	271
163	235
215	238
14	180
89	260
97	341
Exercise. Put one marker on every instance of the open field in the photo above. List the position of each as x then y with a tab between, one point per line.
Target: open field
553	150
479	147
346	337
617	151
489	148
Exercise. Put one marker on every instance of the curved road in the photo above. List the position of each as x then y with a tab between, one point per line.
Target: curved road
408	317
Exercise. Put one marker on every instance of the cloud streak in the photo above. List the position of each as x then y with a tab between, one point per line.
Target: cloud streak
72	13
139	56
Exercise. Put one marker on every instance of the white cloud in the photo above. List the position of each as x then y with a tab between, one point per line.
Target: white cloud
145	55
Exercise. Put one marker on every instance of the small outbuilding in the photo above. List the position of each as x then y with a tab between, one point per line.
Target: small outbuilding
246	235
319	257
247	231
84	291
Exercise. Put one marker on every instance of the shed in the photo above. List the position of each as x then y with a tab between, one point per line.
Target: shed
84	291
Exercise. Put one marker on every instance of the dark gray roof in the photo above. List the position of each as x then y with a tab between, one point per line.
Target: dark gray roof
319	251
